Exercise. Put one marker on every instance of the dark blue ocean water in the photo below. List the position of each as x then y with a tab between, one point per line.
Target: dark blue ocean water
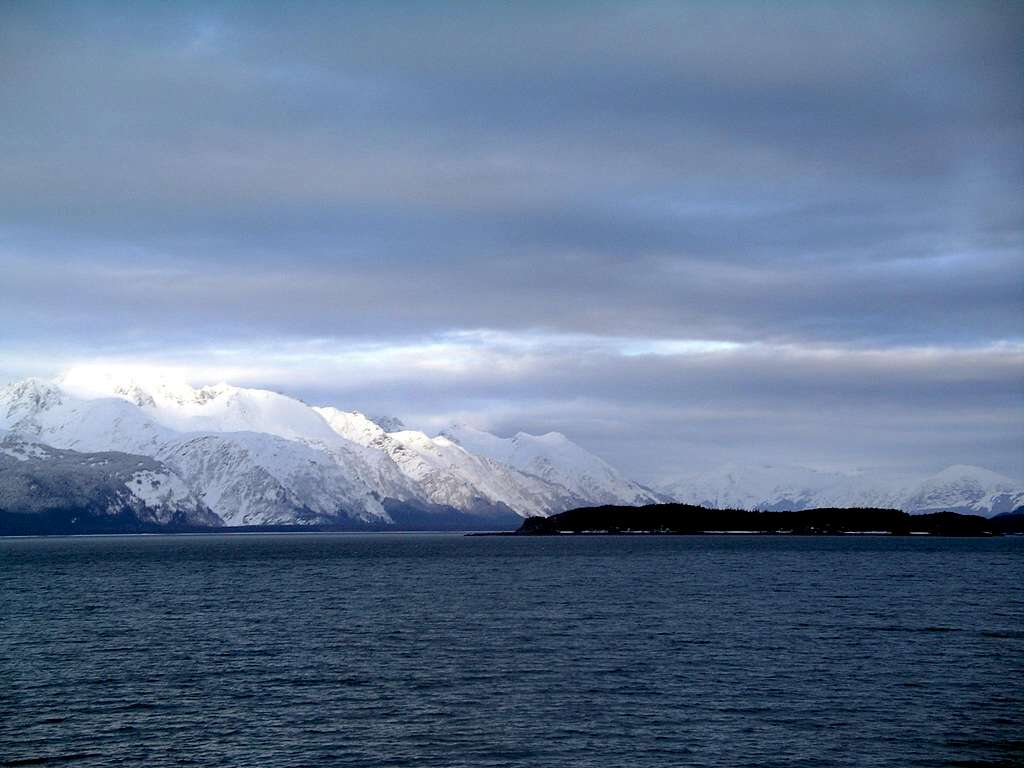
442	650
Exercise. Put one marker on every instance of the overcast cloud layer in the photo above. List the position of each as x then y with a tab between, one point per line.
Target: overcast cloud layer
679	233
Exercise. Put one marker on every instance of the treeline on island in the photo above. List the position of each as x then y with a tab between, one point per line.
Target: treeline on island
690	519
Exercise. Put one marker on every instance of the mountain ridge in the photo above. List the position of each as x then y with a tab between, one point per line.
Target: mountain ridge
255	457
959	488
258	457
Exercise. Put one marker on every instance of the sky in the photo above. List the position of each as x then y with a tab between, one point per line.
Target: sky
683	234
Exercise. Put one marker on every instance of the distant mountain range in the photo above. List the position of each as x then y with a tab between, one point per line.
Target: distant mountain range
103	449
961	488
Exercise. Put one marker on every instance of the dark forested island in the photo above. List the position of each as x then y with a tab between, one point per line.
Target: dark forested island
690	519
650	519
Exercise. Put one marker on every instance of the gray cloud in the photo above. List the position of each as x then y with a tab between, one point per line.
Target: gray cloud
790	177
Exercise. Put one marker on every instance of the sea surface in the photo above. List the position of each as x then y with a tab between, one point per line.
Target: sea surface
445	650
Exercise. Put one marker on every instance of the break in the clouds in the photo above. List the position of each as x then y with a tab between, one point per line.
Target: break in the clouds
680	233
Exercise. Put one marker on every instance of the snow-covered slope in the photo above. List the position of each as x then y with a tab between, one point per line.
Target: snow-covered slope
259	457
37	479
275	479
45	412
251	478
965	489
447	474
558	460
217	408
352	425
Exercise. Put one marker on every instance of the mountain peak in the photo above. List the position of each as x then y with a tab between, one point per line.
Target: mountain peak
166	397
388	423
31	387
557	459
351	425
27	397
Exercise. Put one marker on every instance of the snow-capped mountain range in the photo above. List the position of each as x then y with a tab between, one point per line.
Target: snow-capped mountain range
963	489
255	457
158	450
556	459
